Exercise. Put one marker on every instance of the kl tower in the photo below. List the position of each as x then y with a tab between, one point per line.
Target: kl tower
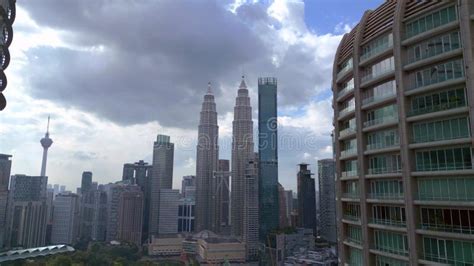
46	142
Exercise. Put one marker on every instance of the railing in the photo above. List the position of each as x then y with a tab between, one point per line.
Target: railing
377	98
347	89
448	228
351	195
447	259
373	76
353	240
391	250
386	196
350	173
383	145
377	50
444	167
347	131
423	139
436	196
346	110
388	222
344	71
381	120
349	152
351	217
436	108
383	170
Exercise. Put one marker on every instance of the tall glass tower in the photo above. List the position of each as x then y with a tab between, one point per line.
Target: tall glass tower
268	156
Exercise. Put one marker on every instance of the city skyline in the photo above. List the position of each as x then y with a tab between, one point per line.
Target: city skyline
81	146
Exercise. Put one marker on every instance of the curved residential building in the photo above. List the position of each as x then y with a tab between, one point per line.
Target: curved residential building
403	97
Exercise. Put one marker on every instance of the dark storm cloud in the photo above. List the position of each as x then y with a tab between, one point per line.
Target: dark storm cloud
157	57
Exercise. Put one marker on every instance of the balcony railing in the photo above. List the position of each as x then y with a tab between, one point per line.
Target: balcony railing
350	173
388	222
344	71
346	110
377	98
386	196
344	91
347	131
444	167
351	195
437	108
349	152
438	196
373	76
448	228
383	145
353	240
446	259
392	250
381	120
351	217
423	139
377	50
384	170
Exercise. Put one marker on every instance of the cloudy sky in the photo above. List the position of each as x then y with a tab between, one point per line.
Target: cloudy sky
114	74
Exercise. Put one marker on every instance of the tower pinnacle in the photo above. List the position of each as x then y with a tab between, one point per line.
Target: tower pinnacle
209	88
242	83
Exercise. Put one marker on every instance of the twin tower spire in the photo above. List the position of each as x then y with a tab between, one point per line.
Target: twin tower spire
207	160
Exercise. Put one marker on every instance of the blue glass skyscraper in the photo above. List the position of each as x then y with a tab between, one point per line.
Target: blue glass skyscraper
268	156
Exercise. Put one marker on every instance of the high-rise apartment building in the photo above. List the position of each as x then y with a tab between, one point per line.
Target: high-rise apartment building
168	211
27	211
268	156
327	200
306	198
161	178
403	94
250	217
5	169
206	163
86	181
130	215
66	219
242	152
94	214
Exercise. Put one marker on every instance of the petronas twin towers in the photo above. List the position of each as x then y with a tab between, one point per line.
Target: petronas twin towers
207	200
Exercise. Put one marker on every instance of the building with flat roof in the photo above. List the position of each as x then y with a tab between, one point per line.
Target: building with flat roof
66	218
403	98
327	200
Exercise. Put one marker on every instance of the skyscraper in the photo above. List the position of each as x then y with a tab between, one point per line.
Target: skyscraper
268	156
86	181
161	178
327	200
250	217
188	186
94	214
282	212
27	211
306	198
403	98
46	142
206	163
242	151
221	198
130	215
66	219
168	211
5	168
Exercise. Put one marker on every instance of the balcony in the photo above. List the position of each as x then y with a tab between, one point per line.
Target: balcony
365	80
346	111
437	108
350	195
377	98
445	259
346	132
348	174
461	196
345	91
388	222
344	71
351	217
391	250
383	145
381	120
353	240
448	228
386	196
428	167
376	51
349	152
384	170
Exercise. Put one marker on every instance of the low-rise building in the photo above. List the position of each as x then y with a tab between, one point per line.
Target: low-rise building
168	245
218	250
318	257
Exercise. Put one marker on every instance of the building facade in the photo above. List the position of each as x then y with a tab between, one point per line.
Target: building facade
93	214
5	169
306	198
186	212
282	211
221	197
130	215
242	151
206	163
161	178
27	211
327	200
86	181
168	211
268	156
250	216
8	17
403	94
66	219
188	186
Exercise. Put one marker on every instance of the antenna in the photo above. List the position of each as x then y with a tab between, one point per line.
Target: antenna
209	89
47	128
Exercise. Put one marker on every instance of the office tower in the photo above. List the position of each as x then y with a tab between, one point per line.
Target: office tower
206	163
27	211
221	198
8	17
62	189
250	217
66	219
86	181
289	205
282	210
306	198
94	214
46	142
186	210
168	211
130	215
268	152
161	178
402	83
139	173
327	200
188	186
5	168
49	214
242	151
